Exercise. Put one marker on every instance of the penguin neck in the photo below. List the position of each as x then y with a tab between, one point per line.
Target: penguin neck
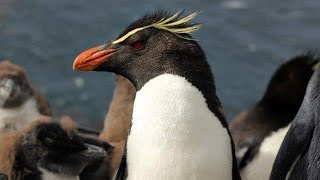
172	126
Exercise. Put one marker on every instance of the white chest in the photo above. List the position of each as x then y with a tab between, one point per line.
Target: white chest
174	135
260	167
15	118
47	175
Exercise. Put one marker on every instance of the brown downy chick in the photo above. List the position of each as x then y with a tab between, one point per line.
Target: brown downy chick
20	101
118	120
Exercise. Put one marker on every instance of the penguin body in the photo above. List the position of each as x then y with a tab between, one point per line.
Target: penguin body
177	116
261	164
20	102
16	118
299	154
168	150
259	132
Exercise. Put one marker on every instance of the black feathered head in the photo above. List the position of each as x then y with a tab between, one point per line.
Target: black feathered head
155	44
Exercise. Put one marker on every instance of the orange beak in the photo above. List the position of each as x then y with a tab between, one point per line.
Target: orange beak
92	58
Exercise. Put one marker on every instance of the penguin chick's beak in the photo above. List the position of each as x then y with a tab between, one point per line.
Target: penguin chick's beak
92	58
94	152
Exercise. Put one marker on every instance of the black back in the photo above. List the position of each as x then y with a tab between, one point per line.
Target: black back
299	155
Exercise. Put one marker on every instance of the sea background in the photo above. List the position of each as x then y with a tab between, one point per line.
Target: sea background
245	41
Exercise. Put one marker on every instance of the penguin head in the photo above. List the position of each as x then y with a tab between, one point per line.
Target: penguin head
14	85
157	43
50	147
288	84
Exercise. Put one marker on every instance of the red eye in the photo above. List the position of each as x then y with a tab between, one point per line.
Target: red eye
137	44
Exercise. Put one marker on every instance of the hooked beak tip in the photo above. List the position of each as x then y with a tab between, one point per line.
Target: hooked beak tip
92	58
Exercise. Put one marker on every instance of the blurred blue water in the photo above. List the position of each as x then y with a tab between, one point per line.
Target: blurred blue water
244	40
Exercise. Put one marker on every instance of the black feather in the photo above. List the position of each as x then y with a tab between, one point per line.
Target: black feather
122	173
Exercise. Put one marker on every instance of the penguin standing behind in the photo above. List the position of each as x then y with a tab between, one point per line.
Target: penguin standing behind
20	102
118	120
46	150
259	132
177	130
299	155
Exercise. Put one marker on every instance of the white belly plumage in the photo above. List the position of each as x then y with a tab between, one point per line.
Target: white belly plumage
15	118
47	175
174	135
260	167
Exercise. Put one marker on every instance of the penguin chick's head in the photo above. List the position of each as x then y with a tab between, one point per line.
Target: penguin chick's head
159	43
50	147
14	85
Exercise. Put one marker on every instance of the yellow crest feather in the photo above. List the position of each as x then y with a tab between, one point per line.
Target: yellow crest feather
165	25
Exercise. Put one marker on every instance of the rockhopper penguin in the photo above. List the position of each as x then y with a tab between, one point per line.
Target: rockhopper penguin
178	130
299	155
258	133
46	150
20	102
